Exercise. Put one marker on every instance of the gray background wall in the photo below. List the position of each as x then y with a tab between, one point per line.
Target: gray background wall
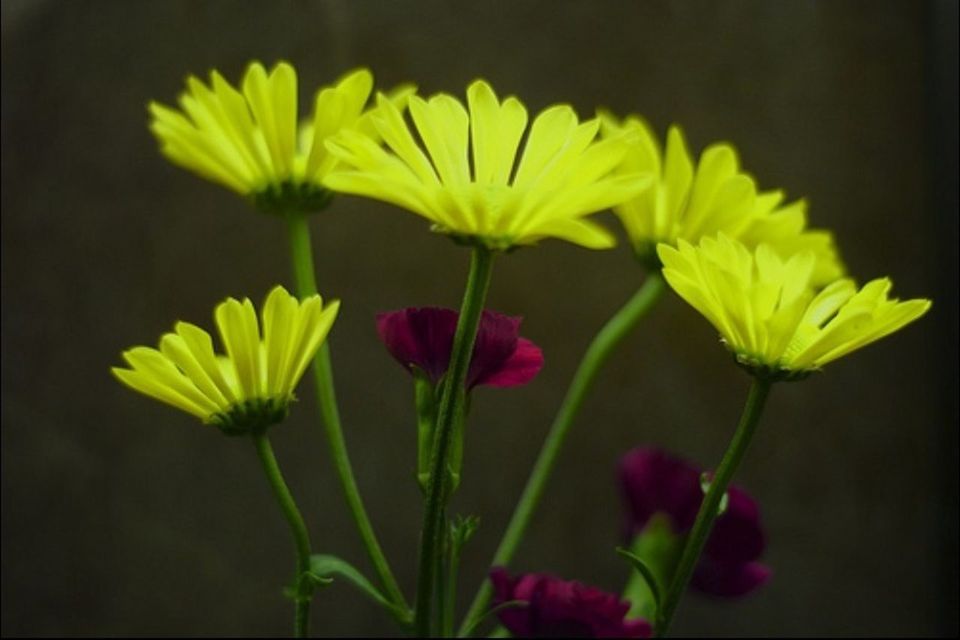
123	517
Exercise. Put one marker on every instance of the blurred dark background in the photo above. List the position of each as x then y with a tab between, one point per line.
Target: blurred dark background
122	517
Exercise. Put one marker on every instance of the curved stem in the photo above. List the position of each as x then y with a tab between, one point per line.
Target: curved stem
297	527
303	269
711	502
603	344
451	403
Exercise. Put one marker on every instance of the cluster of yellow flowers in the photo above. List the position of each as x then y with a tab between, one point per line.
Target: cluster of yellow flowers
774	289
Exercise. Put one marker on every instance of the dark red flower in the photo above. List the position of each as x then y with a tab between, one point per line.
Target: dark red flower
558	608
653	481
423	338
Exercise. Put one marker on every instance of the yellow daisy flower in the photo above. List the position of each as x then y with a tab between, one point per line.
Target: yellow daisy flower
691	202
250	387
472	180
249	140
767	312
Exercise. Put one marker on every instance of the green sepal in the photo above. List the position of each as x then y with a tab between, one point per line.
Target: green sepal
646	255
455	458
492	243
462	529
769	372
291	197
653	583
658	548
425	398
325	567
251	416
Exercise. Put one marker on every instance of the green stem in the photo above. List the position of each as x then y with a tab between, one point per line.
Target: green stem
451	401
603	344
450	598
711	502
297	527
303	270
441	577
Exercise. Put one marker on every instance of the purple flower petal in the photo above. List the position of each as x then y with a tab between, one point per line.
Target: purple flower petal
729	580
419	337
737	536
562	609
496	341
520	368
423	338
653	481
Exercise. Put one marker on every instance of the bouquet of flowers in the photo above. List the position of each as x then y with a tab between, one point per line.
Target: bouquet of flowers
494	180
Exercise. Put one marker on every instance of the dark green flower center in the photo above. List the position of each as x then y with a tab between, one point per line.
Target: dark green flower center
251	416
292	197
770	372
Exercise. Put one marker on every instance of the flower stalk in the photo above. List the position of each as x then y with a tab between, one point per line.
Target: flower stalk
603	345
710	506
451	405
301	590
303	270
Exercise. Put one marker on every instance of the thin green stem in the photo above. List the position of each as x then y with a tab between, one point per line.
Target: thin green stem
303	270
710	506
603	344
442	577
451	403
297	527
453	566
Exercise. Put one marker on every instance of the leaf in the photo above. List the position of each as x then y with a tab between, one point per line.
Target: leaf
462	529
647	573
510	604
324	566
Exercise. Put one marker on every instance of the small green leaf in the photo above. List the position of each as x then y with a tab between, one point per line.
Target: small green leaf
462	529
659	548
317	580
322	567
306	583
511	604
647	573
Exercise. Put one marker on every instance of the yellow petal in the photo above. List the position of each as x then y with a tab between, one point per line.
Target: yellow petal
280	312
237	323
443	125
201	347
158	372
495	133
273	102
149	386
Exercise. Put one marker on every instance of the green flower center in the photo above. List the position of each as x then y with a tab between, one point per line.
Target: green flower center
292	197
772	372
250	416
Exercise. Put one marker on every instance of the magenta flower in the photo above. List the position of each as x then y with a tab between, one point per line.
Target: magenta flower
423	338
653	481
558	608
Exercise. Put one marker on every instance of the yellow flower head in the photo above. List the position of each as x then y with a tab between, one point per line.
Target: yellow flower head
471	179
687	202
250	387
767	312
249	139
